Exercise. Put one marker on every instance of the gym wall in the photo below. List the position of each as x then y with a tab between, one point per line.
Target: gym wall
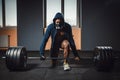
100	23
30	23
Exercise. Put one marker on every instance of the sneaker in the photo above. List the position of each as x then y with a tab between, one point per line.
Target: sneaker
42	57
66	67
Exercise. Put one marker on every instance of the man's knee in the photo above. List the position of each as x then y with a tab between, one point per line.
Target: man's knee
65	44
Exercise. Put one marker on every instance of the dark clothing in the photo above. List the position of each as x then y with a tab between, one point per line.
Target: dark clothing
56	36
59	37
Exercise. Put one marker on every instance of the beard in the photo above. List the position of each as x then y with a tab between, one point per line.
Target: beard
57	26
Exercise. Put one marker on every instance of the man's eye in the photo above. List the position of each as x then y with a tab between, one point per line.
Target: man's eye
57	22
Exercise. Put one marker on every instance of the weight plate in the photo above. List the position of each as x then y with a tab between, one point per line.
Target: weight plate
104	58
23	58
16	58
9	61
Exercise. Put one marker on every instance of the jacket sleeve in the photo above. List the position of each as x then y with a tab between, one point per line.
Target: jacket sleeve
72	43
44	40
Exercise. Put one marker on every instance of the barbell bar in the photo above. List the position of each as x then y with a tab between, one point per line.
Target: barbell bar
16	58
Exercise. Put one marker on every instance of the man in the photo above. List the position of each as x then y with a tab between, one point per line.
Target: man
61	35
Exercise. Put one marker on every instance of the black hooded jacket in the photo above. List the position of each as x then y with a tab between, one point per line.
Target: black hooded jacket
51	31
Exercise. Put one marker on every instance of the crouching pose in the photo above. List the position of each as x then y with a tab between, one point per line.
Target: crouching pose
61	35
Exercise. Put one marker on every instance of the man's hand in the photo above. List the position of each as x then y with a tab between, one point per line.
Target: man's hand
77	58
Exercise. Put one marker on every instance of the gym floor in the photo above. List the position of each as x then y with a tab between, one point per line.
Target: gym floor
39	70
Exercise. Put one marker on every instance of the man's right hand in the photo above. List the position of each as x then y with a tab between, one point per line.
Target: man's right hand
42	58
77	58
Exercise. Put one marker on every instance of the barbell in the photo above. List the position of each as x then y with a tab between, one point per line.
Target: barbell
16	58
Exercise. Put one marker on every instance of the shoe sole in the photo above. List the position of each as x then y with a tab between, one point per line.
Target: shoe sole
67	69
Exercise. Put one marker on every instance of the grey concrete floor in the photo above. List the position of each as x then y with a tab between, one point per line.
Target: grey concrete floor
39	70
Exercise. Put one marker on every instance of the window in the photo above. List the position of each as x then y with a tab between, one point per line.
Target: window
53	6
67	7
1	14
8	13
70	11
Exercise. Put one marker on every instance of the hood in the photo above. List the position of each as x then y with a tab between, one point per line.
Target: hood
58	16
